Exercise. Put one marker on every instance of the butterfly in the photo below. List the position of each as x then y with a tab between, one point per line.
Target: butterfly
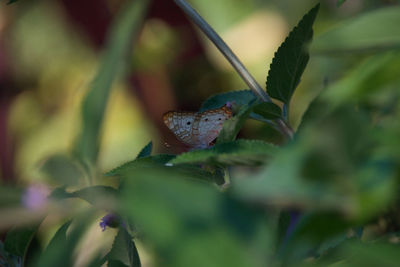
197	129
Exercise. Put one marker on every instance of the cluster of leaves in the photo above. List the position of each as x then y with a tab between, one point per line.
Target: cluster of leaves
310	202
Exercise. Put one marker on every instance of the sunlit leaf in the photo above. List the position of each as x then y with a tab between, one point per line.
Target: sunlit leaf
291	59
362	33
246	152
119	45
370	80
371	75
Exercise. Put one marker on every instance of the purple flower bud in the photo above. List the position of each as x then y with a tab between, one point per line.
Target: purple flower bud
110	220
35	197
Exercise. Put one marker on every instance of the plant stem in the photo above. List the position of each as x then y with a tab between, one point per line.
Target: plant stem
233	59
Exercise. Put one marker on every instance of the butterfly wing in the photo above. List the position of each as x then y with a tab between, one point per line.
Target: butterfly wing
197	130
181	124
211	123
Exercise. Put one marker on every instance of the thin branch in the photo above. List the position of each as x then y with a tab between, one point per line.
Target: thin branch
232	58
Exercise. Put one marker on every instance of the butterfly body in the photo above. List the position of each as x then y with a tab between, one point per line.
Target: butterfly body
197	129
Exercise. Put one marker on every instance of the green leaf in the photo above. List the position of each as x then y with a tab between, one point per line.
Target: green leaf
267	110
18	240
357	253
281	184
232	126
370	76
374	78
116	263
10	196
160	161
146	151
7	259
239	152
193	224
98	195
240	98
55	249
62	247
363	254
62	169
291	59
11	1
116	56
340	2
123	251
149	161
313	231
376	30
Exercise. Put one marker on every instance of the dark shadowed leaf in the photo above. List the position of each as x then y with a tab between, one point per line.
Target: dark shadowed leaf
18	240
123	251
311	231
340	2
291	59
119	45
239	98
116	263
146	151
8	259
267	110
242	152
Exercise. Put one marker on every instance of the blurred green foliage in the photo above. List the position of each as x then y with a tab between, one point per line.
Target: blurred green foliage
94	105
317	200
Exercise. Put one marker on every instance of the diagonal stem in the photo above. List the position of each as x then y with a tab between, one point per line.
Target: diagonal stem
233	59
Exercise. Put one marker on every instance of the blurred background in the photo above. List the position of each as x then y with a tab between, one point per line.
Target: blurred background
50	50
